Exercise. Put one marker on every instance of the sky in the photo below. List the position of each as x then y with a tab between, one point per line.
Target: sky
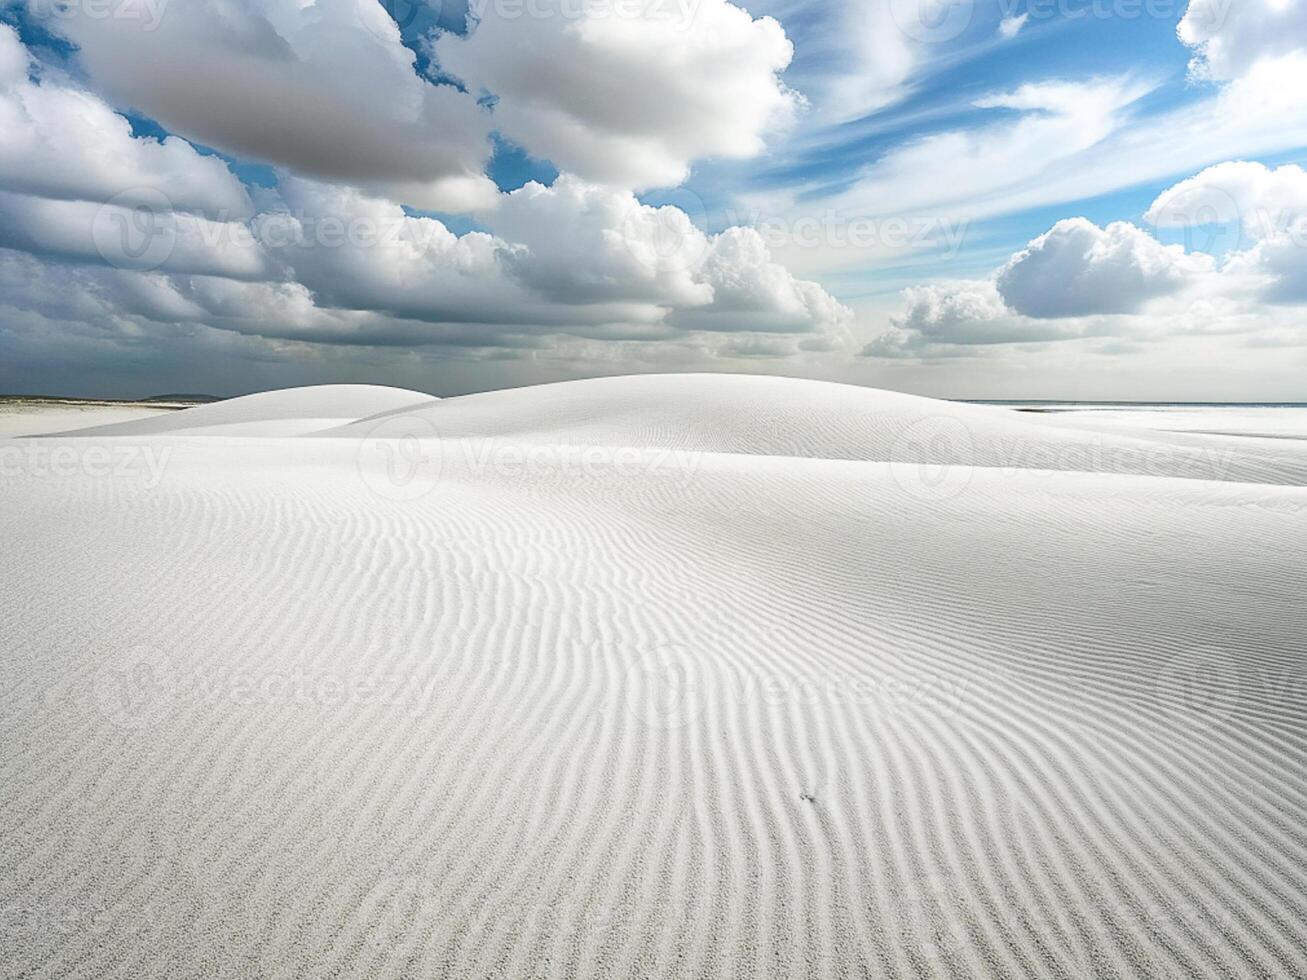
1062	199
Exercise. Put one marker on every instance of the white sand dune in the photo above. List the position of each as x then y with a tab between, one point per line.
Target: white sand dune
790	417
288	412
674	676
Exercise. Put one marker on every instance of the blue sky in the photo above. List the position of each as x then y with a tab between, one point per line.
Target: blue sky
967	198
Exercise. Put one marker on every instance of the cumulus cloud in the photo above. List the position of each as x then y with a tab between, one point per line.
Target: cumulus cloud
155	232
62	142
324	88
123	237
952	316
1078	269
328	90
752	292
572	256
1076	280
333	264
1261	199
1270	207
1230	37
587	243
626	94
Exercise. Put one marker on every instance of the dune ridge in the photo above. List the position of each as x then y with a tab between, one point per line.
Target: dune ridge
660	676
285	412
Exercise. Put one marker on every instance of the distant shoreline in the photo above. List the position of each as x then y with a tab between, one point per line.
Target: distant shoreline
1056	405
158	401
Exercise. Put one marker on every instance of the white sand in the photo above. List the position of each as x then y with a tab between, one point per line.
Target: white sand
667	676
26	418
1254	421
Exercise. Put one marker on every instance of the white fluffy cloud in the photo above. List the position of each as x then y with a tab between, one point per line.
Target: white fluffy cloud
953	316
571	257
627	94
752	292
586	243
1269	206
335	265
156	232
141	239
62	142
1076	280
1078	269
1260	199
324	88
1229	37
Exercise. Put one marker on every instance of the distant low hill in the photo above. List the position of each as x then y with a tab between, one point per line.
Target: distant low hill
197	399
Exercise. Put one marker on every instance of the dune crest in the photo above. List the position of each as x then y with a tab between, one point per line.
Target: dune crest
285	412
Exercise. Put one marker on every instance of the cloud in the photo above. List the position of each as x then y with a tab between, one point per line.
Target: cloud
1010	26
615	93
584	243
62	142
1055	142
331	264
958	175
1078	269
624	94
160	233
125	237
949	317
326	89
752	292
1261	199
1230	37
1077	280
858	57
571	257
1270	207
